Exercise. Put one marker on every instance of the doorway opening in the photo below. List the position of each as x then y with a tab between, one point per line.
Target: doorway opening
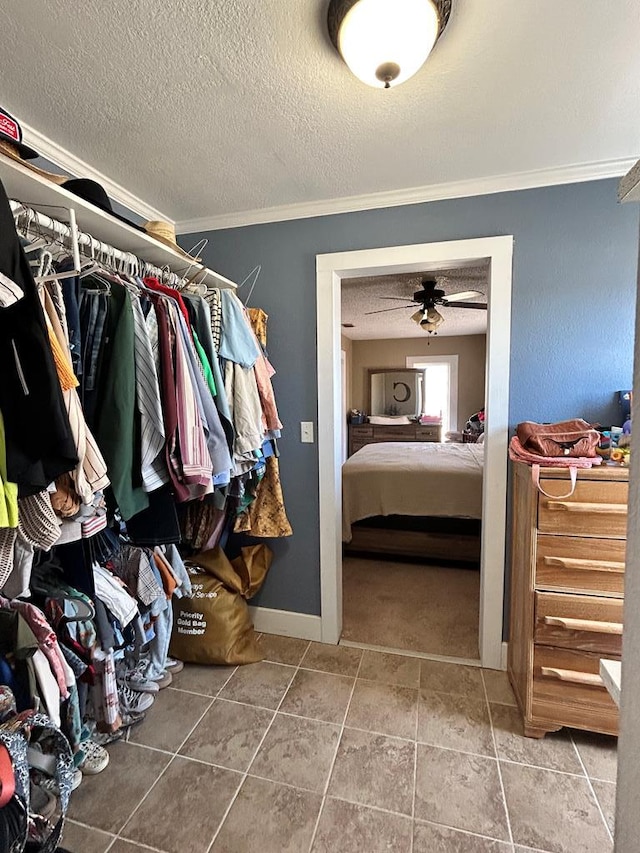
495	254
412	485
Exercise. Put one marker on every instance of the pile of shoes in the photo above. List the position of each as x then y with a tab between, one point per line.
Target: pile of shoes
137	689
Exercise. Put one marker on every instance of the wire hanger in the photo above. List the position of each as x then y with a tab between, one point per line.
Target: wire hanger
255	274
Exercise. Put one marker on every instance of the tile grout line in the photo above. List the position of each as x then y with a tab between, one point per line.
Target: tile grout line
495	747
473	834
171	760
335	755
135	844
407	653
591	788
253	757
338	675
415	760
366	731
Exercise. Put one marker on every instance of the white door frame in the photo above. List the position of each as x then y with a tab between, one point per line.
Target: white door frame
330	270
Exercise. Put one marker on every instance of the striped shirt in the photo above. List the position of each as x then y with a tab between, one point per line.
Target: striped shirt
154	470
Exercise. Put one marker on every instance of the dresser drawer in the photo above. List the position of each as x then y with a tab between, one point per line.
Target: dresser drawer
428	432
575	564
401	432
580	622
594	509
361	431
567	689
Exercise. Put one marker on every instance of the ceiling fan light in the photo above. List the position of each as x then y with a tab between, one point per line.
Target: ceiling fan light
434	317
385	42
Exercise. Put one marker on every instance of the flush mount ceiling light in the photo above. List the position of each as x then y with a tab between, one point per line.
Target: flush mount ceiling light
384	42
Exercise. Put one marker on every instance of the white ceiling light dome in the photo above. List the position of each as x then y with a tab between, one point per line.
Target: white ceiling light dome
385	42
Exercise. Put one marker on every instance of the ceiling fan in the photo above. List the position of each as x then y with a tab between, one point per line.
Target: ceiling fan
427	316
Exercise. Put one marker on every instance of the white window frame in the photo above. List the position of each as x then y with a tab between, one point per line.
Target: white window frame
452	362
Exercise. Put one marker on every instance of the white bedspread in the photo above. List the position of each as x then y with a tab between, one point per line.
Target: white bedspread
412	478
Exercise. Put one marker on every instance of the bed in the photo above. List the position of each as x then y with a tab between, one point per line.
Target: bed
429	494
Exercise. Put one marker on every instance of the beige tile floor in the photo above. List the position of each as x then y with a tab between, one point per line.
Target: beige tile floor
411	606
323	749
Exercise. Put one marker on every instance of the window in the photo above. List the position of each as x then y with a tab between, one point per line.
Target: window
440	387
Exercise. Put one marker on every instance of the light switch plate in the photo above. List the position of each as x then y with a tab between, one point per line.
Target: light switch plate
306	432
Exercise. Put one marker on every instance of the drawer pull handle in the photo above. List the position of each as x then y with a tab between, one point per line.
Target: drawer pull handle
578	506
589	565
572	676
592	625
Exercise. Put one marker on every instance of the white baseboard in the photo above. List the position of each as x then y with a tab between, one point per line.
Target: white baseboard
505	652
286	623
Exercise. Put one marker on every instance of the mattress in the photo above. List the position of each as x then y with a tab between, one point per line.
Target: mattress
412	478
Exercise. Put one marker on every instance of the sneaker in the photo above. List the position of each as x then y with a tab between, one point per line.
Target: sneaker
174	666
163	680
95	759
48	783
131	718
103	738
136	679
42	801
133	700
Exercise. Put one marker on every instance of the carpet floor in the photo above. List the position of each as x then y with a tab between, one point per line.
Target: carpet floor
411	606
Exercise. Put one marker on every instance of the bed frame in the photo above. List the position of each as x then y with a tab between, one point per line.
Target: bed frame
421	537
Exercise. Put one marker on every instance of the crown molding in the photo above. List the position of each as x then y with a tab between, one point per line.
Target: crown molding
417	195
68	162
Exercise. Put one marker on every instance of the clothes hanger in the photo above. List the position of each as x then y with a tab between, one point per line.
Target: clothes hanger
255	273
51	240
197	287
25	229
195	251
93	265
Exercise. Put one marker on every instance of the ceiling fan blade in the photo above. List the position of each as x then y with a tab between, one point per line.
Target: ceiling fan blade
395	298
481	305
384	310
463	295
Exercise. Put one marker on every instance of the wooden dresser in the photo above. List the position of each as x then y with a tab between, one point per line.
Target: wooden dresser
567	577
361	434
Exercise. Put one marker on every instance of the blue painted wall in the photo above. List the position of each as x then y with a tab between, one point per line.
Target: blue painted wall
574	287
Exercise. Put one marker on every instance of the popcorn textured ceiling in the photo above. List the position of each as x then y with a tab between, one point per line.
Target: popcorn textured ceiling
359	296
210	107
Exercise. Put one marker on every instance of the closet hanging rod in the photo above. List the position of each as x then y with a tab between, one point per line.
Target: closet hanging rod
88	245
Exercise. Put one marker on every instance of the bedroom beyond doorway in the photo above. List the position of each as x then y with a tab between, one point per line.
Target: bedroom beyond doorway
411	489
332	270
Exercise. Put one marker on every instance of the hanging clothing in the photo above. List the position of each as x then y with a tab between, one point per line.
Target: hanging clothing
266	515
10	293
40	445
113	594
195	461
90	474
215	437
258	319
214	301
116	415
244	402
237	342
154	469
8	491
